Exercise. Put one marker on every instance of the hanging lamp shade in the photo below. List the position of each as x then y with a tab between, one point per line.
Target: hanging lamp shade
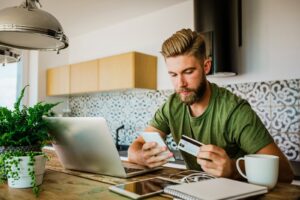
7	55
28	27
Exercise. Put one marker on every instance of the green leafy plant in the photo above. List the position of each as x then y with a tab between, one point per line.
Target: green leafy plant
22	126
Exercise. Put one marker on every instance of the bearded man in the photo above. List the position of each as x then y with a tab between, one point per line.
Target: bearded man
207	113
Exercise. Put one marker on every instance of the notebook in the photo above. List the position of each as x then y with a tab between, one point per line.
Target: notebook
218	188
86	144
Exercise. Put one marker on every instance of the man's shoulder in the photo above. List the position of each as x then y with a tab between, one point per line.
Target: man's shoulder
225	97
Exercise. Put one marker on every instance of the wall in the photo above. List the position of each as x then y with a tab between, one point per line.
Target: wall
29	76
48	60
277	103
144	34
270	50
33	77
271	45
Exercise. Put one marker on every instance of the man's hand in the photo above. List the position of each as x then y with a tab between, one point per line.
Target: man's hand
215	161
153	156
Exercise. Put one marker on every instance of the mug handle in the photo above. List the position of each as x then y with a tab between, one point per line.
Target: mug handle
239	169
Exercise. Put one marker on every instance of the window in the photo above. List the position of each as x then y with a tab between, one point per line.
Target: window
9	84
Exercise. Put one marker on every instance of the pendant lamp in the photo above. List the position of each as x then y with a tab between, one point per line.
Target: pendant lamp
7	55
28	27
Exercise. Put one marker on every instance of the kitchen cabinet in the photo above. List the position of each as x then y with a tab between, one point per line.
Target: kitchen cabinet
127	71
124	71
58	80
84	77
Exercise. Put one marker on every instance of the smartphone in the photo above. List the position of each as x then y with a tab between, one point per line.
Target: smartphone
155	137
144	188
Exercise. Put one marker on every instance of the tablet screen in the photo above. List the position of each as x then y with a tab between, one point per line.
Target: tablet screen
146	187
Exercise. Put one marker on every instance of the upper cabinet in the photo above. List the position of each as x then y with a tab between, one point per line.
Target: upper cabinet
124	71
58	80
84	77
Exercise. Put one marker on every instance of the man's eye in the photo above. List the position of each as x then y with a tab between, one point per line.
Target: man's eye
173	75
188	71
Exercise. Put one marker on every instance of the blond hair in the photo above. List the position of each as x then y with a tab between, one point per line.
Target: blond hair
184	42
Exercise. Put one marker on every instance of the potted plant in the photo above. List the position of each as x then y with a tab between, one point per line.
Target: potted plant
23	133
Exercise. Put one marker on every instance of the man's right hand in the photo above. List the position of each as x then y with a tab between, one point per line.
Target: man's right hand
153	155
148	153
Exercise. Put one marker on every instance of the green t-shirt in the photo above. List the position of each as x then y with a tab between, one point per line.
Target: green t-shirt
228	122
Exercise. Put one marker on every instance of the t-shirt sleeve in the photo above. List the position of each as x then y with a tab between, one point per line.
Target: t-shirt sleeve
247	130
161	120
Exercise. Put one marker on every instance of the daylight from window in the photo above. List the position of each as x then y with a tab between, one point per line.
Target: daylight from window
8	84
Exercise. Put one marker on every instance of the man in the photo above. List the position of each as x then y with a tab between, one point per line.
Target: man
210	114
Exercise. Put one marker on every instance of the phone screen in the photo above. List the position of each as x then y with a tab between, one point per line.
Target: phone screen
146	187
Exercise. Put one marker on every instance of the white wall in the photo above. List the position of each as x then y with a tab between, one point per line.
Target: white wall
271	44
144	34
271	47
33	77
47	60
30	76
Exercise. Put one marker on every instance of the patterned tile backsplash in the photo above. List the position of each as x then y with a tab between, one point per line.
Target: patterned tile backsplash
277	103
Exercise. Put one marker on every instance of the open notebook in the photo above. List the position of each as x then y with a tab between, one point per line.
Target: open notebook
218	188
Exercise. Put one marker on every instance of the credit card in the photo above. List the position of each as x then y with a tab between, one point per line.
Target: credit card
189	145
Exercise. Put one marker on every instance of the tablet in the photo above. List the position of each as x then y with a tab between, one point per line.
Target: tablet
143	188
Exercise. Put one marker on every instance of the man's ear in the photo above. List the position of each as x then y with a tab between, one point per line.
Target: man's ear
207	65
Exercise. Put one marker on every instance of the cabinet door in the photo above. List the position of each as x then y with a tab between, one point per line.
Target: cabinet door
116	72
58	80
145	71
84	77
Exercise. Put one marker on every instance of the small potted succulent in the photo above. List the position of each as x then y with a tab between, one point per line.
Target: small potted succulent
23	133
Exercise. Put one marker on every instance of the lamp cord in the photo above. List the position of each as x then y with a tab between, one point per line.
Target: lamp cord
30	4
38	1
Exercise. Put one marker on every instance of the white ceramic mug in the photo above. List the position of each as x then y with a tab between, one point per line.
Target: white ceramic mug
261	169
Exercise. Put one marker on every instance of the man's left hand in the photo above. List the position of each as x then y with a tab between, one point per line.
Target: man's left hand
215	161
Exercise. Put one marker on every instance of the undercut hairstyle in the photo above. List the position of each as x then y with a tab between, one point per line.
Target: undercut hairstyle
184	42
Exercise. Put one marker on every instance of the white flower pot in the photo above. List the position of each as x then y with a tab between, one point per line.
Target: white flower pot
24	180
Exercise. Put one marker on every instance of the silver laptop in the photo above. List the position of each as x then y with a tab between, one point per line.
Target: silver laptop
85	144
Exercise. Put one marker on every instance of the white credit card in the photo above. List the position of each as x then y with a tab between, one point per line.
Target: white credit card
189	145
155	137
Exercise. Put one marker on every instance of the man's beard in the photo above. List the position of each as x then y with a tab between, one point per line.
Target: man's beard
196	94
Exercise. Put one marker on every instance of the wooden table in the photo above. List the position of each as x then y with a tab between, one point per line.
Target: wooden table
65	184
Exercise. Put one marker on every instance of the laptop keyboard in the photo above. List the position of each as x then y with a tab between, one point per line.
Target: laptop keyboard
129	170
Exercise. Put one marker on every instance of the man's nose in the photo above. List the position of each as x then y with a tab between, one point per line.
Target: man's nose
181	81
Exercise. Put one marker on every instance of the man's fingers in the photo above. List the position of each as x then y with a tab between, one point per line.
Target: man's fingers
157	164
153	154
209	164
148	146
207	155
158	157
152	149
158	160
213	148
214	160
212	171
